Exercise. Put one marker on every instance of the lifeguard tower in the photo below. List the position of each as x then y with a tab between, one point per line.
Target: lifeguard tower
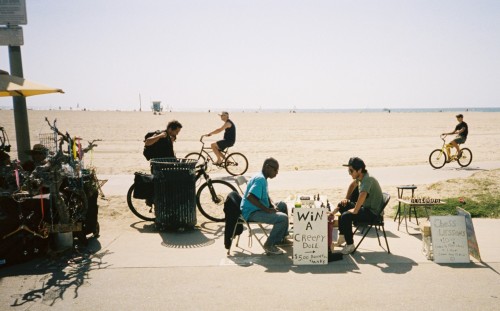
157	107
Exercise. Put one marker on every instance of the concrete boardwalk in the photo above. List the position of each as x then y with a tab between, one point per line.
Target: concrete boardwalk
133	267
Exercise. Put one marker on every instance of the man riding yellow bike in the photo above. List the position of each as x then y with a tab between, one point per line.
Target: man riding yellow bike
462	130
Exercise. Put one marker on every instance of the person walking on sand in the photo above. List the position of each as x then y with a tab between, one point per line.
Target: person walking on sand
462	130
229	137
256	205
366	208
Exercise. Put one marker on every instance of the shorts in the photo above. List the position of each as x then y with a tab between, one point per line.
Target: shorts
460	140
223	144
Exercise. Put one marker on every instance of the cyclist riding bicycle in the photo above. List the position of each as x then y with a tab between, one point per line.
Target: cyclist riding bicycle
229	137
462	130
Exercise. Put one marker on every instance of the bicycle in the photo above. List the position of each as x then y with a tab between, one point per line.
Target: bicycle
235	163
438	157
210	196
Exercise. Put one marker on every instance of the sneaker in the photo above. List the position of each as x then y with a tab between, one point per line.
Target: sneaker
340	241
272	250
348	249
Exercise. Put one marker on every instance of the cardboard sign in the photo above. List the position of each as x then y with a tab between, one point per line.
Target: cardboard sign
310	239
471	234
449	239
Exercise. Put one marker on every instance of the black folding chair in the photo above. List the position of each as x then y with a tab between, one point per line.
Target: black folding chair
378	223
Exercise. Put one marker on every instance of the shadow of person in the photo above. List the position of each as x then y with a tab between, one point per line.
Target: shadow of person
388	263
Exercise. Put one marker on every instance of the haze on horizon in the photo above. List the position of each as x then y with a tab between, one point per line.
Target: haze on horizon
246	55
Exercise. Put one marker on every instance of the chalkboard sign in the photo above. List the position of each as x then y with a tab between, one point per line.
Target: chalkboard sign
471	234
310	240
449	239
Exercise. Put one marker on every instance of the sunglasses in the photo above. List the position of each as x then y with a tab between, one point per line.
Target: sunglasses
350	171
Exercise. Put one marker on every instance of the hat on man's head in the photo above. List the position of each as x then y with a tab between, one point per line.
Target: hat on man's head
460	115
356	163
38	148
224	113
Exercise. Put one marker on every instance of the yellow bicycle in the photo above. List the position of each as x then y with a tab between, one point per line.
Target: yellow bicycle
438	157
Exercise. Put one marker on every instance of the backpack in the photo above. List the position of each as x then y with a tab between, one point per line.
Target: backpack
148	150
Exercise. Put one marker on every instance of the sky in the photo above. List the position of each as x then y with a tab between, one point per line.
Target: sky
262	54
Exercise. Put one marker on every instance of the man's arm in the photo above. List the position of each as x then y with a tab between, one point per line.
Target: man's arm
361	200
153	139
255	201
222	128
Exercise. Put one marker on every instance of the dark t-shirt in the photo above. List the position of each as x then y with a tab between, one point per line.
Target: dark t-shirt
460	126
230	133
163	148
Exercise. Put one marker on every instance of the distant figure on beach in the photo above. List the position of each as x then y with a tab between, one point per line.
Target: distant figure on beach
366	208
229	136
38	157
462	130
162	144
257	206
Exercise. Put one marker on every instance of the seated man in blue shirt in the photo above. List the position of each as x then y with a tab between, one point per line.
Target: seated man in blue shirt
257	206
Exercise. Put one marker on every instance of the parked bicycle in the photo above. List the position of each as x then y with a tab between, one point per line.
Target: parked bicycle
438	157
210	196
235	163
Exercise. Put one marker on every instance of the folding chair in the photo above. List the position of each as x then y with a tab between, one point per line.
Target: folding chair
240	181
378	223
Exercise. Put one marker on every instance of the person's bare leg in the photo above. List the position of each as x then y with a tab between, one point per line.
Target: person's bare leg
217	153
456	146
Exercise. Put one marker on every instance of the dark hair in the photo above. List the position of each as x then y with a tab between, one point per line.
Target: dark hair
270	161
173	125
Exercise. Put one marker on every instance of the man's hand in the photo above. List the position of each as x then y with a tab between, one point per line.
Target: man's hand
344	202
271	211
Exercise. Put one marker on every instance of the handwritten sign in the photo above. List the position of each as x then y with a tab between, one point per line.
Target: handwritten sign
449	239
310	239
471	234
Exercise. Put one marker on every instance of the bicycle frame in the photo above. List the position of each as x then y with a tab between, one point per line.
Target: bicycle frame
207	154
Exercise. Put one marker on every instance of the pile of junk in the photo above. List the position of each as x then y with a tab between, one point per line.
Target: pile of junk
48	203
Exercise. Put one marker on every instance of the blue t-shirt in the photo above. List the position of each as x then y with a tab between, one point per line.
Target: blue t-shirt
258	187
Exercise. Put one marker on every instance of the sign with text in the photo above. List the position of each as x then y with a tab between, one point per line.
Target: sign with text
310	240
449	239
11	36
13	12
471	234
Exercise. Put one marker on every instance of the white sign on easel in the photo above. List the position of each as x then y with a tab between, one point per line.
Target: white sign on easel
310	240
449	239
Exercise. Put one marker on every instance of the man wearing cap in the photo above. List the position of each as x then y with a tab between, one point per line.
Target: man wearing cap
38	155
229	136
366	208
462	130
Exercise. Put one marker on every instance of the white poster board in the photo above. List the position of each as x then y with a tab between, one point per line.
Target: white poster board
471	234
310	240
449	239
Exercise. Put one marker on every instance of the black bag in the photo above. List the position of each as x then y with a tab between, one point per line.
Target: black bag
143	186
149	150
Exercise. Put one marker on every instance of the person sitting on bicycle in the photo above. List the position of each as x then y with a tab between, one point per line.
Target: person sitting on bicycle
229	137
462	130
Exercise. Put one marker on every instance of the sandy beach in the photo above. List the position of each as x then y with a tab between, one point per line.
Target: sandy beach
300	141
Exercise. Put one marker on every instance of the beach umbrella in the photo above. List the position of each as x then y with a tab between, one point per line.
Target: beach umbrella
17	86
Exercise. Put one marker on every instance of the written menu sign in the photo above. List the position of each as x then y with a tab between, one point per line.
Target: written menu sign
449	239
310	240
13	12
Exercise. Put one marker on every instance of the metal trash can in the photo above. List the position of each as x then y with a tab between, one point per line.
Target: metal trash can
175	198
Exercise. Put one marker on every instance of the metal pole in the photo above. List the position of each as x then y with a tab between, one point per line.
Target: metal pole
20	111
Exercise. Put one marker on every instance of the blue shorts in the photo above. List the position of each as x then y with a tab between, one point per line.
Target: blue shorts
460	140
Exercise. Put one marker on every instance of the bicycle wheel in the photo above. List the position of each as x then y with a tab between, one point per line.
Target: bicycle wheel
210	199
236	164
201	160
466	157
139	206
437	158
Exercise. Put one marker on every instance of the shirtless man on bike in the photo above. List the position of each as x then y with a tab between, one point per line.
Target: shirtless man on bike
462	130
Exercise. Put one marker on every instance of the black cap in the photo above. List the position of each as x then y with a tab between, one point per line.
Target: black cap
356	163
459	115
